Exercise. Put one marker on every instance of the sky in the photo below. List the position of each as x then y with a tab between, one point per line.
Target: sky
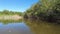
16	5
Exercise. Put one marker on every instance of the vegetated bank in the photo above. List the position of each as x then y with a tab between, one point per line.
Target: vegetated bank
45	10
10	15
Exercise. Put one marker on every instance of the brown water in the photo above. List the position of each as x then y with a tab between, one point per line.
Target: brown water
29	27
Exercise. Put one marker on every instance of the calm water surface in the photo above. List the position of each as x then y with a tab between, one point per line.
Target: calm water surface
29	27
14	28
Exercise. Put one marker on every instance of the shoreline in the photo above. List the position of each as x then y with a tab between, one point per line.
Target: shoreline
10	17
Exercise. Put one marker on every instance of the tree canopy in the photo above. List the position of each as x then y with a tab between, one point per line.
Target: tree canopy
45	9
7	12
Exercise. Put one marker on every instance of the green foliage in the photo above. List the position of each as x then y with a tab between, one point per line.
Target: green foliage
7	12
47	9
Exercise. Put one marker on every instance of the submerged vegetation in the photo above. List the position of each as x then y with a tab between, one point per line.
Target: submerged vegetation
46	10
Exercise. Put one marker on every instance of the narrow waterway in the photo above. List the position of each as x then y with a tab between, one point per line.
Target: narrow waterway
29	27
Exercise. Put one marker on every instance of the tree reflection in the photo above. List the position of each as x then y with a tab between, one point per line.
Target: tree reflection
39	27
10	21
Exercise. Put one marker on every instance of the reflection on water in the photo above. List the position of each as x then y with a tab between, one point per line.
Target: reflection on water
39	27
28	27
10	21
14	28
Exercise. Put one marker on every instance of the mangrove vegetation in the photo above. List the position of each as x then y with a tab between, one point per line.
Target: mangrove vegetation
45	10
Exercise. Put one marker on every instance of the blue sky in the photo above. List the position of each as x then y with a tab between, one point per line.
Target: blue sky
16	5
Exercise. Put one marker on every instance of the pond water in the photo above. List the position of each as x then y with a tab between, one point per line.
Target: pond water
29	27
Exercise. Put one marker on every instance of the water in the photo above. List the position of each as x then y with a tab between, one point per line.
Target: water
14	28
29	27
